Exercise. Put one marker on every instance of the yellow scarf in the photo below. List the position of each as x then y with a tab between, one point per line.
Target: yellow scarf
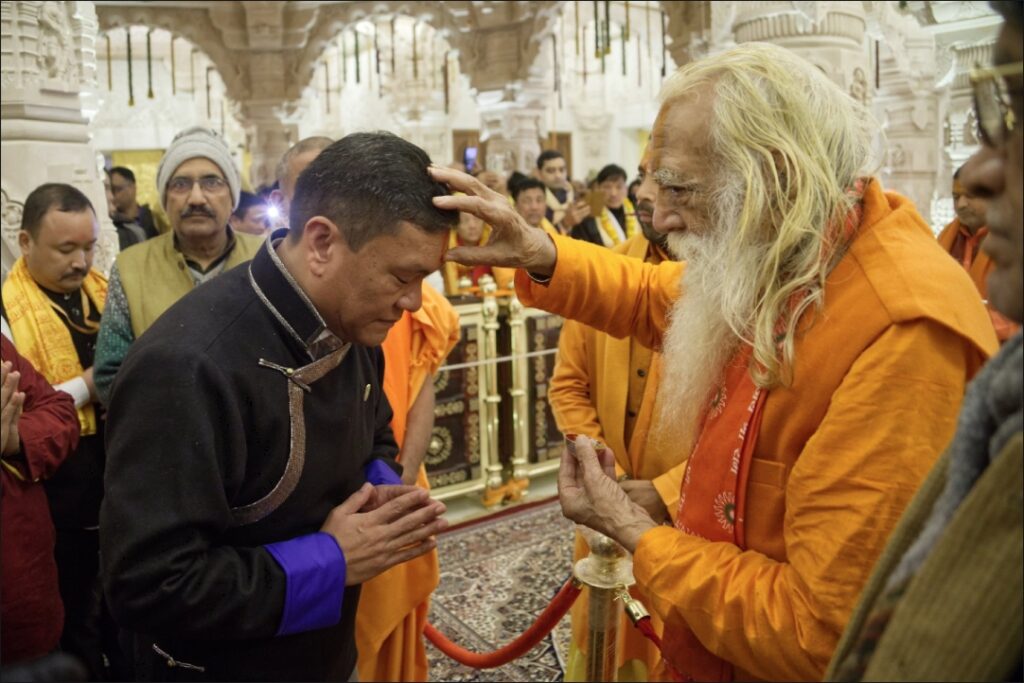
630	227
40	333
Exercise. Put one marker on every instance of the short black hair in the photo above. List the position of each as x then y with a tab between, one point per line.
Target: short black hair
125	173
48	197
525	184
611	172
246	200
547	155
367	184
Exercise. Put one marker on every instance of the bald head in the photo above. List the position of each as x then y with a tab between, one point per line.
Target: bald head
297	158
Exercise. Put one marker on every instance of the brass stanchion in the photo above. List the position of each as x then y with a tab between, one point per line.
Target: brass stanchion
494	491
607	572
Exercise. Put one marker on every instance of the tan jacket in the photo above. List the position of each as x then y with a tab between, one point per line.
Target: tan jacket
960	618
154	275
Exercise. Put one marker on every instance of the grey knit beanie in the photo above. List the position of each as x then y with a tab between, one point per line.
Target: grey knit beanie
198	142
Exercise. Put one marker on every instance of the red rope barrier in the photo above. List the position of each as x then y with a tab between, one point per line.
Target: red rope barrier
551	615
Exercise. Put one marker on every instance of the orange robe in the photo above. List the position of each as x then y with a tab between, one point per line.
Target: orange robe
966	248
878	378
393	606
606	388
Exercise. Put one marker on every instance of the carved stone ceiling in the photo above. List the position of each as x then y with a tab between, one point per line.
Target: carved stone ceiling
267	51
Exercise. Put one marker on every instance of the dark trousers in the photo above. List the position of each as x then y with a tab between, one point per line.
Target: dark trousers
89	631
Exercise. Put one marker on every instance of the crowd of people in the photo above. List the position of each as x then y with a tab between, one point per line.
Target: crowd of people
799	410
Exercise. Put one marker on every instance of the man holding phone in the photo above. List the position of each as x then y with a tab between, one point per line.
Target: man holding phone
565	209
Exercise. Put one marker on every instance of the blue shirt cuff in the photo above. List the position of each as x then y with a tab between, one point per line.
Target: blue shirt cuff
314	569
379	472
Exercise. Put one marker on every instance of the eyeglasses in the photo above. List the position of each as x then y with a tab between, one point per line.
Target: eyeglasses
992	106
209	184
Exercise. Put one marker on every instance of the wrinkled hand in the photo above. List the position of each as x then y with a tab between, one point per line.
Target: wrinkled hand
11	403
575	214
590	496
400	529
513	243
644	494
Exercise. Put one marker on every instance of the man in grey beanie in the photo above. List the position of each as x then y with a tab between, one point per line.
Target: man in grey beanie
199	187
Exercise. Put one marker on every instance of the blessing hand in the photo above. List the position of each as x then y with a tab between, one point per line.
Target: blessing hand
513	243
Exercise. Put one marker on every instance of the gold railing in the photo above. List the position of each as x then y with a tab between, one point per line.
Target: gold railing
493	430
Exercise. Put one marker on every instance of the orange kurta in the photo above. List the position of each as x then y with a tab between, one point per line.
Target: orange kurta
877	384
592	392
393	606
966	248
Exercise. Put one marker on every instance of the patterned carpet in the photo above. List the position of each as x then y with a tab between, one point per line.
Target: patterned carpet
496	577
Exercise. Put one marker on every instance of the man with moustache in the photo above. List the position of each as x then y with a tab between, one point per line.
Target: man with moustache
251	482
53	300
963	237
811	305
605	388
945	599
199	187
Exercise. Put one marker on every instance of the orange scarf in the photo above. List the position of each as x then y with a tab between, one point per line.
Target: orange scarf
712	501
41	334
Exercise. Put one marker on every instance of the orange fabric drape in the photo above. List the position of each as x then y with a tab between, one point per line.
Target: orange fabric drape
393	606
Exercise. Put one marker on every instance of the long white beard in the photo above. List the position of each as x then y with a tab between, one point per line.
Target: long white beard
699	342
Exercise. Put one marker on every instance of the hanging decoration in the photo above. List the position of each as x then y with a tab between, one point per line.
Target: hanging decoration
209	110
149	64
192	71
650	39
174	79
355	49
222	117
607	27
625	40
344	58
110	67
131	84
597	31
558	75
415	57
577	6
664	47
447	94
393	19
376	58
327	87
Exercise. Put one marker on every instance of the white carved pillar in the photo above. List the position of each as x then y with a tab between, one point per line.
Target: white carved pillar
959	128
269	138
512	126
48	58
829	34
907	105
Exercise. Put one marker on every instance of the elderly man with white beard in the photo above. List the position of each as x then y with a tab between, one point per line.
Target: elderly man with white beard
816	346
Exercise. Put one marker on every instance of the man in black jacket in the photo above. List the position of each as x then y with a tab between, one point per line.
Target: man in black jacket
251	482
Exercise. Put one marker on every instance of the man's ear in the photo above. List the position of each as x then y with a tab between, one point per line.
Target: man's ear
24	241
323	243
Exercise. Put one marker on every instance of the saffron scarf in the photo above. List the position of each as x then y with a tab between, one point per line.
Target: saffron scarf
41	333
612	236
